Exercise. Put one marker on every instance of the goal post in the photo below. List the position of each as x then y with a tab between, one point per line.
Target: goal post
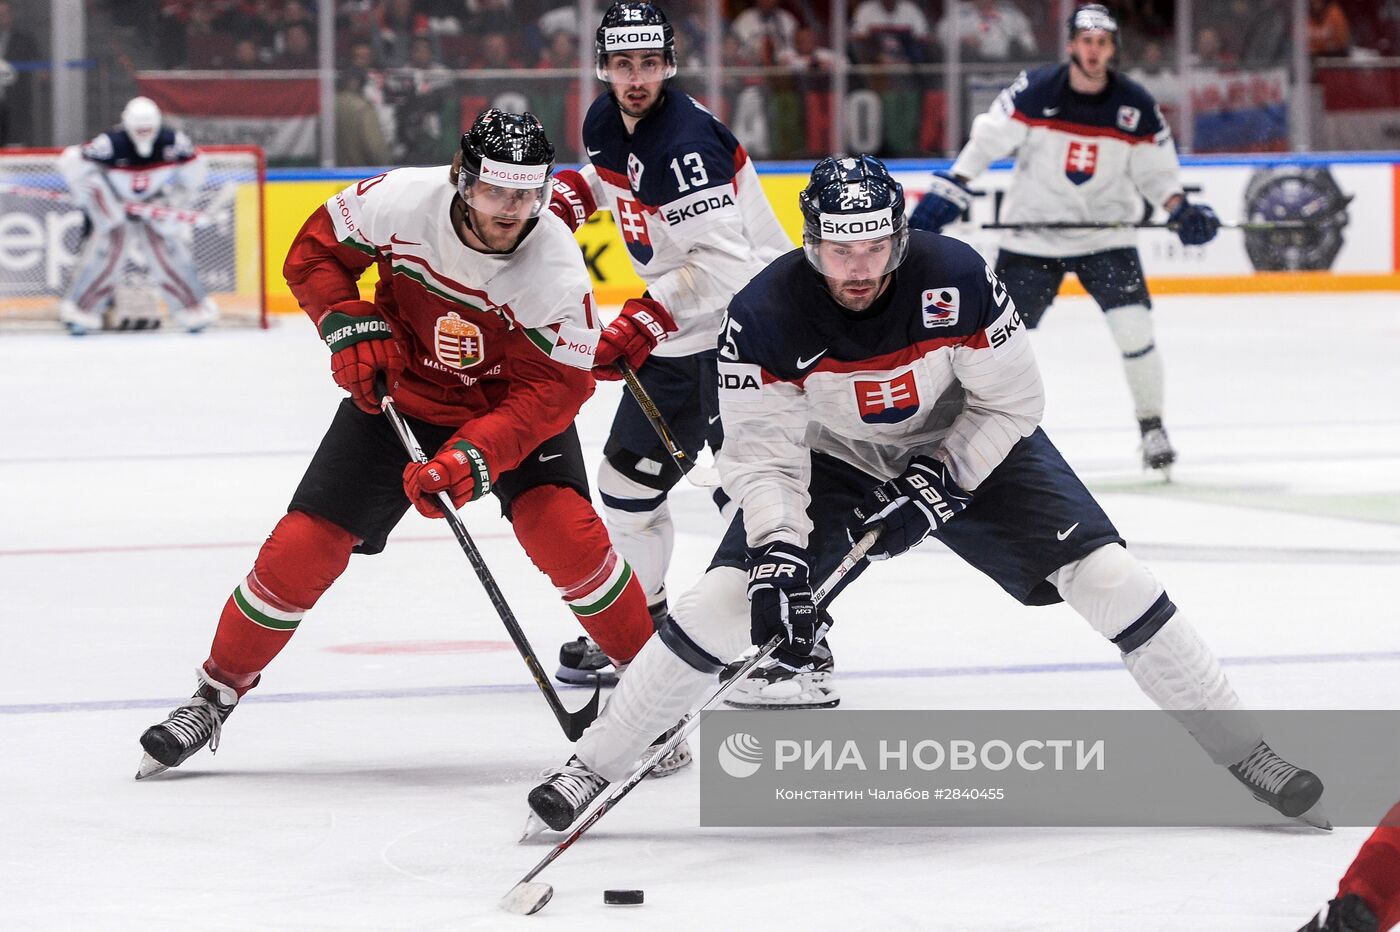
41	235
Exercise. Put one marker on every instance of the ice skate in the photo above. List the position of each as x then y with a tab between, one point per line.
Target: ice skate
774	685
196	723
78	321
194	319
1291	790
562	798
583	663
1157	452
679	757
1344	914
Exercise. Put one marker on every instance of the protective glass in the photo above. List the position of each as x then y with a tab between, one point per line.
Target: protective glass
500	189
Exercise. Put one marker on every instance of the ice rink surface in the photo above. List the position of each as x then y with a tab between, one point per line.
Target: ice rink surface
376	779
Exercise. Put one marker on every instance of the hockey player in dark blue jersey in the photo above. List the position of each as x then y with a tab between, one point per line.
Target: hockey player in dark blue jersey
1090	144
141	162
883	379
697	227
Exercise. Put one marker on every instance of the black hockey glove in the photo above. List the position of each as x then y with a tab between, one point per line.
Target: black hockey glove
780	602
1345	914
909	507
946	199
1195	224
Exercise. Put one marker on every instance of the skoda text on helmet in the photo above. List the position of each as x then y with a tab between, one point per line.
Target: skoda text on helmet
635	26
141	121
1094	17
506	165
849	201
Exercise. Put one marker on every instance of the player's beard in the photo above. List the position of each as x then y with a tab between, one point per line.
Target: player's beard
497	234
647	100
856	294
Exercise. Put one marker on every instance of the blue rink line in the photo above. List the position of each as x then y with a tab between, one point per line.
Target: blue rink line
433	692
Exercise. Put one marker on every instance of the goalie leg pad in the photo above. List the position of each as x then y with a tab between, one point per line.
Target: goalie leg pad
639	520
1131	326
1173	667
299	560
566	540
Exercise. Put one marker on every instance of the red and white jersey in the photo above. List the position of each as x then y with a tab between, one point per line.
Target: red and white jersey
687	201
1078	158
503	343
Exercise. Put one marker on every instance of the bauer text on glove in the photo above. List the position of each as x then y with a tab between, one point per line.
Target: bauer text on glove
631	336
909	507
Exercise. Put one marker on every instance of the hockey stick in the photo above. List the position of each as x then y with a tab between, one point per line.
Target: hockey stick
529	896
132	208
573	723
706	480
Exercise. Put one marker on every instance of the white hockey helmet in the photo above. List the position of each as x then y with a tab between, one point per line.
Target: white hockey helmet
141	121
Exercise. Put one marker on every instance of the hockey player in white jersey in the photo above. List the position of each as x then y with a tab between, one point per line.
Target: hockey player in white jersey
879	378
1090	144
697	227
139	162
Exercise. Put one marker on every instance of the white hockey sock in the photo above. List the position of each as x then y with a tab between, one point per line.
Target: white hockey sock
661	685
641	532
1132	330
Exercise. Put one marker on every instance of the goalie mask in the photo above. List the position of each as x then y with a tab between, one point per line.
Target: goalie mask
141	123
506	165
635	26
853	218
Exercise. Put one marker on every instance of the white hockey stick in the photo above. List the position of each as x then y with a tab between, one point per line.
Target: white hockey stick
529	896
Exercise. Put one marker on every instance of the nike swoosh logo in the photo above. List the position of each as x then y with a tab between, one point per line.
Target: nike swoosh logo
394	238
554	456
1061	535
1051	111
715	418
804	363
592	152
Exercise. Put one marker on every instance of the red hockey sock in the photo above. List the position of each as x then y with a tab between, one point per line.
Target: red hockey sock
1375	874
566	539
299	560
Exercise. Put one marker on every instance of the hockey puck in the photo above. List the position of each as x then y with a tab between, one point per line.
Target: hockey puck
622	897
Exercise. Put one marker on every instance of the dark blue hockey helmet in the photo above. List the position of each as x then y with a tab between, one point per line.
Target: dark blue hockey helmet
853	200
634	26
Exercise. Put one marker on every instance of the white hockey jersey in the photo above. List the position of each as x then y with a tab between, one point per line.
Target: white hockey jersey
940	365
107	172
688	203
1078	158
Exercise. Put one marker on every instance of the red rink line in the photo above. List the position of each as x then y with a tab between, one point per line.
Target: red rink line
226	545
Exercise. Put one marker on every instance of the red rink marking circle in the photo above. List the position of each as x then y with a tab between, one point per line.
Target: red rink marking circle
421	647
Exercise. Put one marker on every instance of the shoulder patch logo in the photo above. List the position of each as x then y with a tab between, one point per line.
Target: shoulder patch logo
940	307
1128	118
1080	160
634	172
887	401
458	343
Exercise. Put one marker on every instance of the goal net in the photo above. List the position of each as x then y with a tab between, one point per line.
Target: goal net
41	241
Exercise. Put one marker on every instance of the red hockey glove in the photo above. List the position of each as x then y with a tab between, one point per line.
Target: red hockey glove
361	345
572	199
459	469
632	335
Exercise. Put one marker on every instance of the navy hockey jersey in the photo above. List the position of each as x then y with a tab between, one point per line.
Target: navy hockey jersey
1079	157
939	365
688	203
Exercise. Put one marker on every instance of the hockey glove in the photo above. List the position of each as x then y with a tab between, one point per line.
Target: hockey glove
909	507
944	202
361	345
571	199
632	335
459	469
1195	224
780	602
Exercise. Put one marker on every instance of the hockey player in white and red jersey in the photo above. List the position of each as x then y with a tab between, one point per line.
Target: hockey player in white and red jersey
697	227
483	328
882	379
1090	145
139	162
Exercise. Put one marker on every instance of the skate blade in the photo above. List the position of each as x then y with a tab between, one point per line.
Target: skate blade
674	762
571	677
149	767
1316	817
534	825
526	899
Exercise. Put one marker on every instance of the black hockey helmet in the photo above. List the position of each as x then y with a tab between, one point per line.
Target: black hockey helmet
634	25
507	160
850	200
1090	17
